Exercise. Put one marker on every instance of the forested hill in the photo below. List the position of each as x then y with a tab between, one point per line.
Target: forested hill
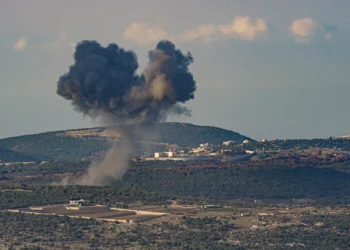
13	156
82	143
189	135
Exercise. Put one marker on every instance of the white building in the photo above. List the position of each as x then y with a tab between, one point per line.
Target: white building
204	145
245	141
171	154
160	154
197	150
164	154
227	143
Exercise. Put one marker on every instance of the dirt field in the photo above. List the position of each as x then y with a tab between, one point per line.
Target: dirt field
95	212
243	218
135	214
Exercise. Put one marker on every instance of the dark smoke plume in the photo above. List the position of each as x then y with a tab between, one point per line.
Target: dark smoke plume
104	80
102	83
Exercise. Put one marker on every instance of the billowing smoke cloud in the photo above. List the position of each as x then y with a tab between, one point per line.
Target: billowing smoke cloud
103	83
103	80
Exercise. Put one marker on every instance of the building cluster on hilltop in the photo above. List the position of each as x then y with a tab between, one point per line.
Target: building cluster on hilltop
205	151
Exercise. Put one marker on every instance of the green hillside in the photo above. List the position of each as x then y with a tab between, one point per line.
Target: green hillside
189	135
186	134
12	156
64	145
49	146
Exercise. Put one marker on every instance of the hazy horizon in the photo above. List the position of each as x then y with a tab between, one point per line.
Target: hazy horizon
271	69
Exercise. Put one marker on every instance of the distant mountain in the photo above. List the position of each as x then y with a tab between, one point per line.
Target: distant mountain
90	142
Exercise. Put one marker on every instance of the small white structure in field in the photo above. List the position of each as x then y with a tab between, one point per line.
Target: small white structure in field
245	141
249	152
36	208
204	145
245	214
80	202
212	206
265	214
72	208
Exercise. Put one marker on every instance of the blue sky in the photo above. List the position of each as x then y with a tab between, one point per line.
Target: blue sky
266	69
